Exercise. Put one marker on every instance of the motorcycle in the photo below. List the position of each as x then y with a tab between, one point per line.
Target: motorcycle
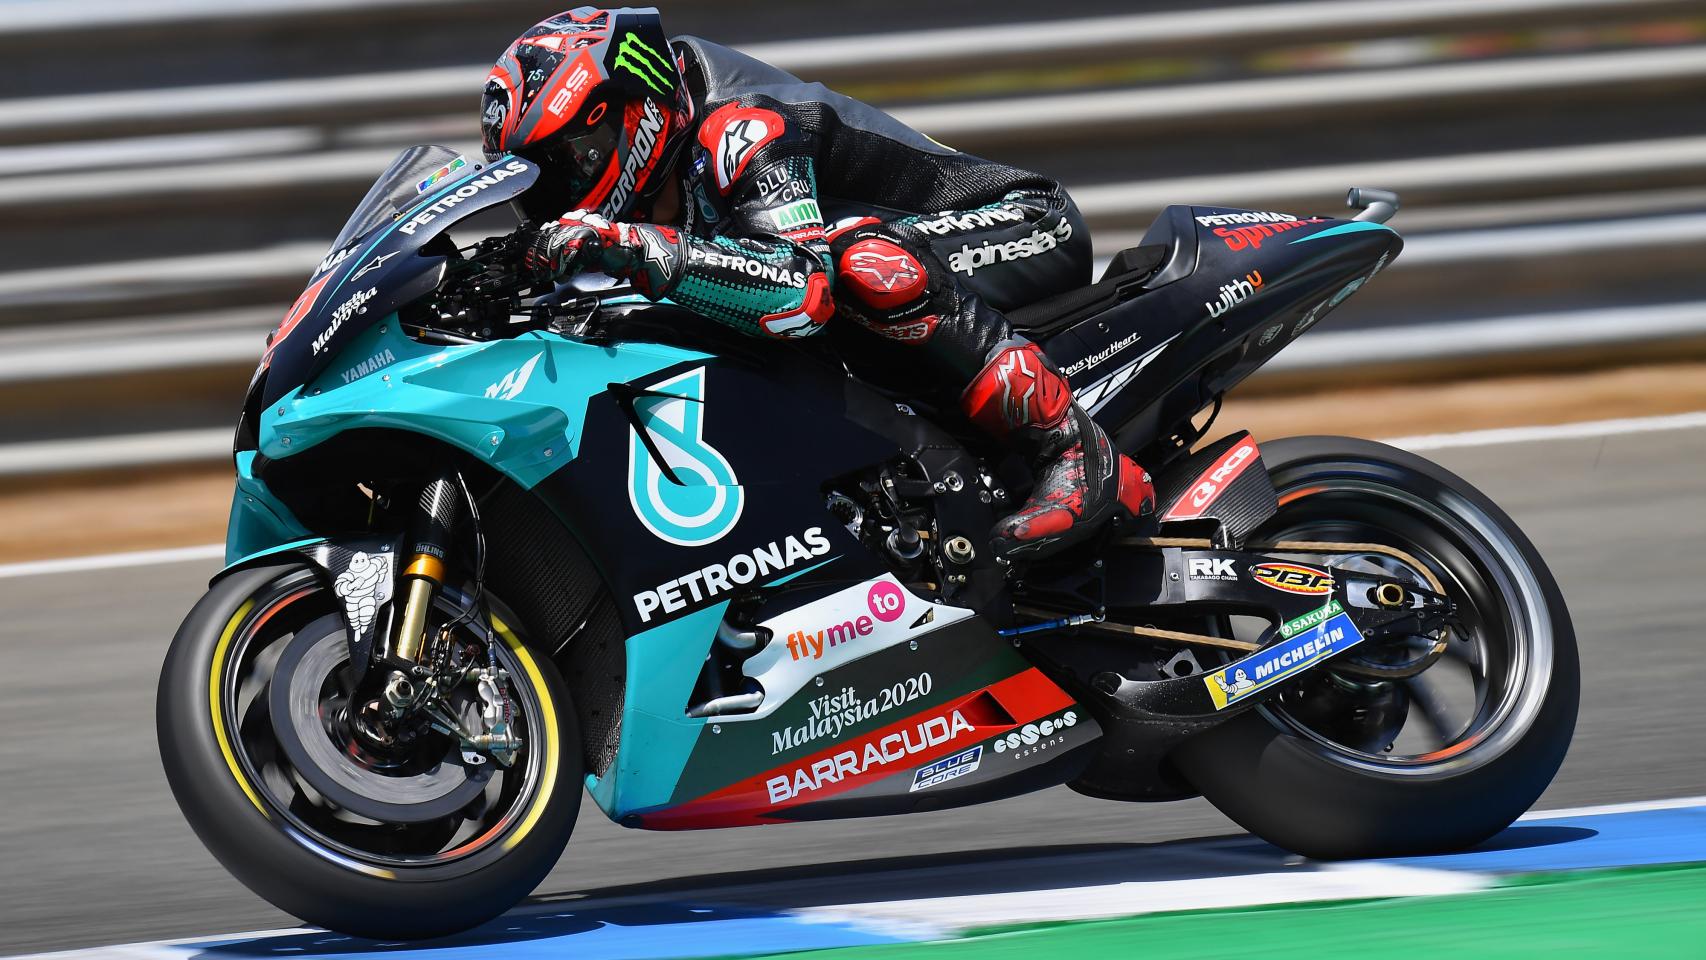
490	545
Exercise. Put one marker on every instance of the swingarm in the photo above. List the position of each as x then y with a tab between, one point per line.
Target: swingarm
1376	626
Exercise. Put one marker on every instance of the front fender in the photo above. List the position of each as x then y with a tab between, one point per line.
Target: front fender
360	571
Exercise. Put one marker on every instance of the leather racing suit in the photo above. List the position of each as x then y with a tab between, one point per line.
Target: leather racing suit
799	205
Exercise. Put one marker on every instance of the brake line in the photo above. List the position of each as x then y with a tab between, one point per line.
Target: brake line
1156	633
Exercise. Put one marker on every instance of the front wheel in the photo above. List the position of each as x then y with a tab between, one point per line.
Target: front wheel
1338	766
397	840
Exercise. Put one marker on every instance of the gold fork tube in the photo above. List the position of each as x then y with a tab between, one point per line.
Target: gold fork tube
424	575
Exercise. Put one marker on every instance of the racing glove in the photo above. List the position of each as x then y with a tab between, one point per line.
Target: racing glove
558	249
650	257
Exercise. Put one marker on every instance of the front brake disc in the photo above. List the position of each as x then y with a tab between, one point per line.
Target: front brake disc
431	788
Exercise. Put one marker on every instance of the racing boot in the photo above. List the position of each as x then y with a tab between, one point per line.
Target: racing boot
1082	483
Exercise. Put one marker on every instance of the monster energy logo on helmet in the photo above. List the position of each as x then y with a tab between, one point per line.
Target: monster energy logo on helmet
638	58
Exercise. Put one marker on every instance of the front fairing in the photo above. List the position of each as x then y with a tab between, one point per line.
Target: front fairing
380	270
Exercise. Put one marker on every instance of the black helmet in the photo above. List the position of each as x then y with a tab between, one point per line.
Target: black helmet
595	98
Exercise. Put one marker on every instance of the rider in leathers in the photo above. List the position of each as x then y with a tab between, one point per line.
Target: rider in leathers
702	175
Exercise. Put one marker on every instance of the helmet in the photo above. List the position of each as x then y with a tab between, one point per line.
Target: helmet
596	99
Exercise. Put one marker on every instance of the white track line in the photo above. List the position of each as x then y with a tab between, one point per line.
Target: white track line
1350	881
1247	879
184	948
109	561
1639	806
1441	441
1562	431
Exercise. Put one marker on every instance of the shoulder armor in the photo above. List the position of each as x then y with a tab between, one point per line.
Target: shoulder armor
731	137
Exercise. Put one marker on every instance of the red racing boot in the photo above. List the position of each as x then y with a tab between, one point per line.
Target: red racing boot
1020	396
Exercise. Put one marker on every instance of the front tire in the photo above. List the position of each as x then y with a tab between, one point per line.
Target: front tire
1288	782
332	868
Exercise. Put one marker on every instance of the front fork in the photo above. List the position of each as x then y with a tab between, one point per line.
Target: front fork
413	684
423	577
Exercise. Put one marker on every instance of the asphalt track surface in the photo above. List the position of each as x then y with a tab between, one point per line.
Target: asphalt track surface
92	849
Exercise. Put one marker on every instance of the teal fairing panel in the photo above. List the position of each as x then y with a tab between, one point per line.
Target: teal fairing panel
517	404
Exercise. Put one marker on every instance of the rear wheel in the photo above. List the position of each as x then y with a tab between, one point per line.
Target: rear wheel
397	840
1339	766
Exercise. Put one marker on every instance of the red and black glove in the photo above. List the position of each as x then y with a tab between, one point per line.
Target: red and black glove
563	248
648	256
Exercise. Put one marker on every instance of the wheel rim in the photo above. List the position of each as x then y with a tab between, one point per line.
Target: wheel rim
1469	707
461	841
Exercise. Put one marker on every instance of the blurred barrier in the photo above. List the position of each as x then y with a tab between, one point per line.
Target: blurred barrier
340	100
1472	185
57	18
222	339
1155	112
1465	178
1373	94
1167	33
1502	346
127	451
1551	154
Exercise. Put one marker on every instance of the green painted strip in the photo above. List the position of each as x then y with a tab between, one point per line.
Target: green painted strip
1354	226
1313	618
638	58
1655	913
797	574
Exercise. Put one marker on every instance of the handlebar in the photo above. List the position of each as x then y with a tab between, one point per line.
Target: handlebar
490	294
1377	206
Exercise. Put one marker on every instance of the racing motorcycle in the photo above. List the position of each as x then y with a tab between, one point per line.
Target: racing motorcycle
490	545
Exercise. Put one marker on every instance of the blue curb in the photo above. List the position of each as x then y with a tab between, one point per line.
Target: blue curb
1636	839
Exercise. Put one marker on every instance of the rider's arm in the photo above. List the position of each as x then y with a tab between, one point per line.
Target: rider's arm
764	272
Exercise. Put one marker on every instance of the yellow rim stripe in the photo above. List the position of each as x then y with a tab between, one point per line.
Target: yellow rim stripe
546	708
548	723
218	714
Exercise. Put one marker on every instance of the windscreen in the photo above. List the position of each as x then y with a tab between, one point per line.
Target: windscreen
414	172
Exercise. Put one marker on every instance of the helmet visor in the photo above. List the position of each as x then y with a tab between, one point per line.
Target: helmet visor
569	168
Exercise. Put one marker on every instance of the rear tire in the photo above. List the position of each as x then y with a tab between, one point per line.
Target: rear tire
1298	792
238	816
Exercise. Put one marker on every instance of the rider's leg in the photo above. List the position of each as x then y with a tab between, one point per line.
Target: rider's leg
893	281
1082	482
